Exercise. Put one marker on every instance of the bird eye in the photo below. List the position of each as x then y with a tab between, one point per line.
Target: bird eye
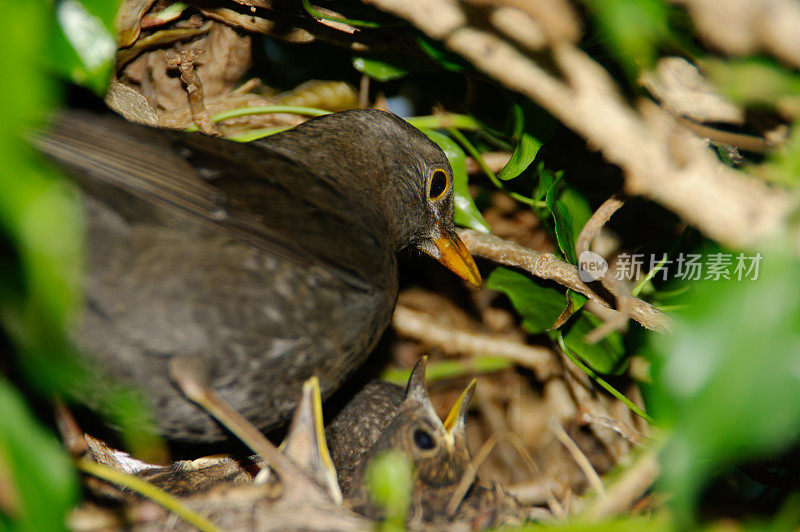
423	440
438	185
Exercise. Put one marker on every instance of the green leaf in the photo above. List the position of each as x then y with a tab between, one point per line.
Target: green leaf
632	30
35	472
545	181
578	206
466	212
379	70
607	356
575	302
754	81
538	302
727	379
84	48
524	152
448	369
438	53
563	224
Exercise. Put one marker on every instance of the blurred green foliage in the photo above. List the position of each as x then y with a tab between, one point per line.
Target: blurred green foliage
39	278
82	43
754	81
389	481
727	380
632	30
38	481
40	274
782	166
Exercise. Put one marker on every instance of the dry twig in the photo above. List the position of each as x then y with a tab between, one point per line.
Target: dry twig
627	432
620	495
495	161
596	222
419	325
624	300
469	475
742	27
662	160
184	61
583	391
577	455
548	266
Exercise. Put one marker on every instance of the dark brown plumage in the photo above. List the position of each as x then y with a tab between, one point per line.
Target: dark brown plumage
268	262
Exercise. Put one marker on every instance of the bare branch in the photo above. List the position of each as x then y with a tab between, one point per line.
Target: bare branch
578	456
596	222
420	326
662	159
741	27
548	266
627	432
184	61
633	483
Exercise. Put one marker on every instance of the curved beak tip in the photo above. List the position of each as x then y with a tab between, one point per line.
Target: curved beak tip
455	256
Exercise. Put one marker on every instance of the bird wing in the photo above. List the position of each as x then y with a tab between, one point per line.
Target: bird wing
275	203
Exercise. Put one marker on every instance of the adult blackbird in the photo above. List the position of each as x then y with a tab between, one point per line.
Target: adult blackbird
266	262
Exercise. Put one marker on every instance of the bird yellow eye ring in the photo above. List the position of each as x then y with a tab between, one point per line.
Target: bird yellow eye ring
438	185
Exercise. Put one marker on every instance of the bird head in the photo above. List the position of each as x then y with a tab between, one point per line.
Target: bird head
402	179
437	451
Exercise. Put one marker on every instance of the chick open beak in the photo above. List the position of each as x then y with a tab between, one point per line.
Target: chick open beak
451	251
458	414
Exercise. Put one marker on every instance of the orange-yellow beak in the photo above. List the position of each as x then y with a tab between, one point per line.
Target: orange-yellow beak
455	256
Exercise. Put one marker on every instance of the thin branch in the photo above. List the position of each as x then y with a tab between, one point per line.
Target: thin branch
184	61
620	495
662	160
590	230
452	341
741	27
629	433
548	266
596	222
577	455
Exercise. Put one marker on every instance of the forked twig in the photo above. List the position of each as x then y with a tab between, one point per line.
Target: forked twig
624	300
548	266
